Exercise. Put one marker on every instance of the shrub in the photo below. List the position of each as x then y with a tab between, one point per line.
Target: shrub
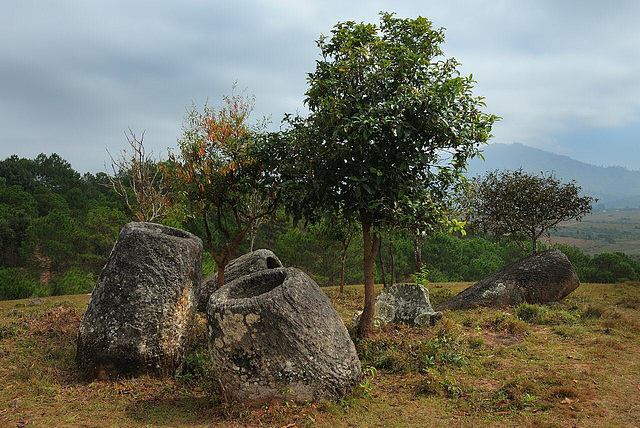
74	281
16	284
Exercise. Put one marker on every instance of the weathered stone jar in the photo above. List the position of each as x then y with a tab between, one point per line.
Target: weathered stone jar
142	310
254	261
544	277
274	335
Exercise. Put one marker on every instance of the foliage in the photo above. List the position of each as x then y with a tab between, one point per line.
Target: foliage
74	281
16	284
217	174
53	220
525	206
391	125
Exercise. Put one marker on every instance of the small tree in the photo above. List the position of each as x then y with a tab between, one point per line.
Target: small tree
342	230
219	174
138	181
524	206
391	125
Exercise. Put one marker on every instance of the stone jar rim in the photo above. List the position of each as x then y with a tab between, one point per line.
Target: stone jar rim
240	293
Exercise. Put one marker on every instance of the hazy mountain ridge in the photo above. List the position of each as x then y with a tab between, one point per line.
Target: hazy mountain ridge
615	187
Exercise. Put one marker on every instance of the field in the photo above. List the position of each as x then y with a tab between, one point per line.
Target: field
602	232
575	363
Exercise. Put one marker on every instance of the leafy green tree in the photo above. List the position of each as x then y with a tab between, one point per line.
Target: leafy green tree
53	241
524	206
18	172
17	209
219	174
17	284
55	173
391	124
98	235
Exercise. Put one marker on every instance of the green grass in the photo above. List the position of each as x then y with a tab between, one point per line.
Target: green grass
570	364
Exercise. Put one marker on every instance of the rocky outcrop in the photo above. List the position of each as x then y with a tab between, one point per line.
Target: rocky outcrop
274	335
541	278
142	310
406	303
254	261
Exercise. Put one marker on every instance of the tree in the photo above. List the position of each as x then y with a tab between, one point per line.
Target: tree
391	125
524	206
219	173
138	181
342	230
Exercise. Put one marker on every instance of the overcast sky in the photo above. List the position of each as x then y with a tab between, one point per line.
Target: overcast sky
563	75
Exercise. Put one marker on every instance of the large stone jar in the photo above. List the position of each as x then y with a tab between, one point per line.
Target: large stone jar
544	277
142	310
274	335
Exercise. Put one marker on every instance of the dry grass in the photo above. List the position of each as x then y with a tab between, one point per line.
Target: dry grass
572	364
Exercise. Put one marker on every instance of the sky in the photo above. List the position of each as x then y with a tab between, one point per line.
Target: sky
75	75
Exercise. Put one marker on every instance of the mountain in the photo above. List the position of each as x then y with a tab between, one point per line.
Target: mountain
615	187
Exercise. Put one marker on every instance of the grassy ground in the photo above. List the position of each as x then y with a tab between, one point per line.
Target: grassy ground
576	363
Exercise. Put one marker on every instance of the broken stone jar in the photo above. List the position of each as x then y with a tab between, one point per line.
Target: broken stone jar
273	335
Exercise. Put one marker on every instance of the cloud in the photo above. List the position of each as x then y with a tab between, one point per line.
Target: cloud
74	75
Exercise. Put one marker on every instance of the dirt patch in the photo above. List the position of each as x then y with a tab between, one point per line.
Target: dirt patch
494	340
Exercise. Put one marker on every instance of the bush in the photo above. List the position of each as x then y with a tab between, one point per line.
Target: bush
17	284
74	281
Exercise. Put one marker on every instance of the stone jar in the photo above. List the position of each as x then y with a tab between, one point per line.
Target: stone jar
544	277
142	309
274	335
254	261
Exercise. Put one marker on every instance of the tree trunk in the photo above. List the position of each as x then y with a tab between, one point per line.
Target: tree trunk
417	249
383	273
342	261
252	237
345	248
220	278
371	243
393	267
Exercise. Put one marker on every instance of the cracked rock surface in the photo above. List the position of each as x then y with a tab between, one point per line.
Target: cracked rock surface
544	277
274	335
254	261
142	310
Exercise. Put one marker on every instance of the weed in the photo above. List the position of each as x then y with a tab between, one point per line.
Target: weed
368	374
475	342
429	383
529	313
506	322
518	393
569	330
592	312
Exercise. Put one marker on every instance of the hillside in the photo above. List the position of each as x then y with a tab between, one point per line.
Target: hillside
615	187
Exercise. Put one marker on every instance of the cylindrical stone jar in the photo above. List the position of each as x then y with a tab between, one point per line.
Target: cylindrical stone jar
142	309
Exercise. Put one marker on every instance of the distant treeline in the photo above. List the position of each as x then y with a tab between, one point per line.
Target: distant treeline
57	228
